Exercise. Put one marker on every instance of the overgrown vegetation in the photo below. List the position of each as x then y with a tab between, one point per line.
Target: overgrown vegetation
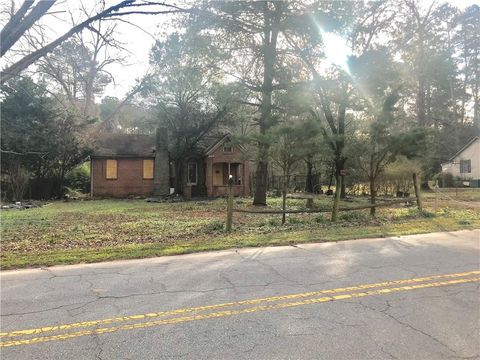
87	231
360	72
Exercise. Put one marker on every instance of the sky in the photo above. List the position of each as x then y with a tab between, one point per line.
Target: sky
137	39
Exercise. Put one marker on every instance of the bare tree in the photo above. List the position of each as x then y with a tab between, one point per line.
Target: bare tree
24	19
79	67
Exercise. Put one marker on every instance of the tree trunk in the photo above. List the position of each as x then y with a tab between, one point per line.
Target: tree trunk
420	101
373	195
340	146
336	201
284	200
339	165
309	178
270	35
330	181
416	186
21	22
261	178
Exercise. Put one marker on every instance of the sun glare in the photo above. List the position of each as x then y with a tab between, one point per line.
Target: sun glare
336	50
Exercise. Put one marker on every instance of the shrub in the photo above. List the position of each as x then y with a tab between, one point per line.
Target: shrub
79	178
445	180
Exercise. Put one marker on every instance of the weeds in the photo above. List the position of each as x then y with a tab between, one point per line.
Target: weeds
91	229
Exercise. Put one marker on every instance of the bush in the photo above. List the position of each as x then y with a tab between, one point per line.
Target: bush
445	180
79	178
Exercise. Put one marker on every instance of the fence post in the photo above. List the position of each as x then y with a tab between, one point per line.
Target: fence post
416	186
336	201
229	204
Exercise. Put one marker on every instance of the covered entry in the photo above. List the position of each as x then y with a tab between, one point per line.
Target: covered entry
223	160
221	172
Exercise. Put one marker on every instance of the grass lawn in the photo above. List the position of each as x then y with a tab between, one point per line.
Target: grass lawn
90	231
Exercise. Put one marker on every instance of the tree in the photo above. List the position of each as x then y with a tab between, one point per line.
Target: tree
290	147
326	55
79	67
23	19
184	95
39	137
437	45
250	33
468	40
126	116
379	145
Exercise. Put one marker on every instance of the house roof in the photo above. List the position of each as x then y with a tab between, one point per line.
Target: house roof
463	148
214	145
124	145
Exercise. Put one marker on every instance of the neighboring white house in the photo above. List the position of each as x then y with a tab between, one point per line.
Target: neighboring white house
465	164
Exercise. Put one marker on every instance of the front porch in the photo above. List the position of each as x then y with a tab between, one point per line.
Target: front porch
218	174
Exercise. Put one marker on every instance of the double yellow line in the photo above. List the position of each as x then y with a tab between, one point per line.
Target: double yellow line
238	307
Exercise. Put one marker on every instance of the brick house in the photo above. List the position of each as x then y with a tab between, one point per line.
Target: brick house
125	164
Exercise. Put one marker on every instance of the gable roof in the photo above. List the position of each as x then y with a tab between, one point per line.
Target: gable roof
214	146
133	145
464	148
124	145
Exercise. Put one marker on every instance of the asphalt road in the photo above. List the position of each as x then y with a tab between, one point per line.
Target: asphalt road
414	297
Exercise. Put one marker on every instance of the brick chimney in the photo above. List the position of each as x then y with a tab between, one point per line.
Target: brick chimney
161	176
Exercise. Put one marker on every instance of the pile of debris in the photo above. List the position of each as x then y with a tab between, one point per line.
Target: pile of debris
167	198
23	205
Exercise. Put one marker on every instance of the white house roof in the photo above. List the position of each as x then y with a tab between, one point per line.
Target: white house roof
462	149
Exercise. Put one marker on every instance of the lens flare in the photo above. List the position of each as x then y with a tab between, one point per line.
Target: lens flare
336	50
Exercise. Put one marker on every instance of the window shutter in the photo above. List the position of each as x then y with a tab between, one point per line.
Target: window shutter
148	169
111	169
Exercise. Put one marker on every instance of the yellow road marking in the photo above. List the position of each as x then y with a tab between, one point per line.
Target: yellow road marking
234	312
229	304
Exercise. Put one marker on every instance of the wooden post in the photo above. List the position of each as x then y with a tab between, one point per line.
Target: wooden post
229	204
416	186
336	201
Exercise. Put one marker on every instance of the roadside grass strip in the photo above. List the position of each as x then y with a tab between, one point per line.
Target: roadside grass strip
307	298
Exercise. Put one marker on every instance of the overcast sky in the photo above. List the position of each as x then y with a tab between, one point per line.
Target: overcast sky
136	39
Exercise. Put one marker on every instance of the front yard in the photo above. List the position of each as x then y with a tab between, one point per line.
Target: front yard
99	230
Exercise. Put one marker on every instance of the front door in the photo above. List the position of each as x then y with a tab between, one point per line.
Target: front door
217	174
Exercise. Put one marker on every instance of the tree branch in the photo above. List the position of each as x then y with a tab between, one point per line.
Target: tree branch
23	63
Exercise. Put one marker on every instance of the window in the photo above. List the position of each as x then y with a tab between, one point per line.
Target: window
192	173
111	172
465	166
227	148
148	169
